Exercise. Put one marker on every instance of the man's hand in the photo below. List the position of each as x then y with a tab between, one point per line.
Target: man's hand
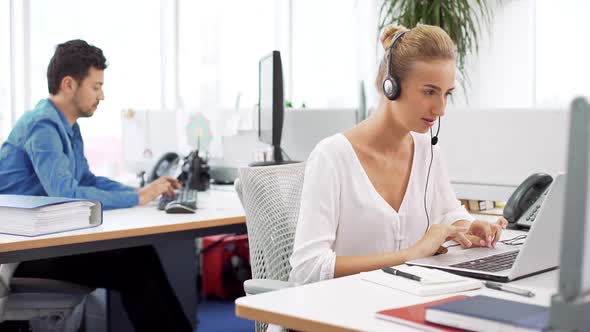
481	234
435	236
162	186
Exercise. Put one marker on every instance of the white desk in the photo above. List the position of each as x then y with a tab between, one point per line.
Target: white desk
173	235
350	304
218	211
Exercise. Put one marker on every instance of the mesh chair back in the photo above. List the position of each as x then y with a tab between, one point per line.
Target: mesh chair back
271	197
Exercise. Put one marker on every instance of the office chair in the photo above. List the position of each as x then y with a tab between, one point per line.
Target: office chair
49	305
271	198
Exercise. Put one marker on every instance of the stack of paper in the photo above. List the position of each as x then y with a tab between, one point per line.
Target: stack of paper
433	281
36	215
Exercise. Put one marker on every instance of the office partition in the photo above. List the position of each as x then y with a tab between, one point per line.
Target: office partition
571	305
490	152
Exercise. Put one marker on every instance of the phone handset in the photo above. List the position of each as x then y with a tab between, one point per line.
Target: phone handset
164	166
524	204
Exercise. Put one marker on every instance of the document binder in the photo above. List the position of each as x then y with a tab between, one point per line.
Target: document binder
41	215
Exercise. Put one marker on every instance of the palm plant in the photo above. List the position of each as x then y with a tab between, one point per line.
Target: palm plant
463	20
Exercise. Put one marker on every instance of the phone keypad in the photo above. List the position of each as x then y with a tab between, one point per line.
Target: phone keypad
533	215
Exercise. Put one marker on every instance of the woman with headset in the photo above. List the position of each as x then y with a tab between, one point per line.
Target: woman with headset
378	194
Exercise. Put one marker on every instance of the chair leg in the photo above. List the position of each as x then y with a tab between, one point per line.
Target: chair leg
265	327
60	321
261	327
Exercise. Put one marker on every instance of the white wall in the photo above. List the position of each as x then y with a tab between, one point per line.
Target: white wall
502	74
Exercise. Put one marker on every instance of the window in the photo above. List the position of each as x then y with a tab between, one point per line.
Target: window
203	56
220	43
501	74
534	57
562	52
325	52
5	91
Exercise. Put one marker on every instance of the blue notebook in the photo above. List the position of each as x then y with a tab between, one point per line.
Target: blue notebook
485	313
40	215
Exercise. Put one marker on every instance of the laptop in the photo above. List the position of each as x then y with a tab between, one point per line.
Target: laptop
539	253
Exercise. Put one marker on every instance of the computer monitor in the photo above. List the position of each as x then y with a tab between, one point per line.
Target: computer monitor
271	107
571	305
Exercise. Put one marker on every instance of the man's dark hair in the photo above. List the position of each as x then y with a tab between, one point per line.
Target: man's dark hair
73	58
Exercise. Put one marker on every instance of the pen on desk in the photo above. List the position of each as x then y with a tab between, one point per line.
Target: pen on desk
509	289
401	273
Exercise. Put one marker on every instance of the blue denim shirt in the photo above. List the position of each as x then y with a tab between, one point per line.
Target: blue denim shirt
44	156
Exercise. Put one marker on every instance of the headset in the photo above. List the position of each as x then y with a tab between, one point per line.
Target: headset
391	85
392	90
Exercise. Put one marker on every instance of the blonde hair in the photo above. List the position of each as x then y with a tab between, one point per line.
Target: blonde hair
422	43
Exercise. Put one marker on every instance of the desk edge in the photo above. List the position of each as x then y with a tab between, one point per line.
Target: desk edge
35	243
291	322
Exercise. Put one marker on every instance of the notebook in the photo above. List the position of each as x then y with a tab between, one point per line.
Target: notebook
485	313
414	315
40	215
433	282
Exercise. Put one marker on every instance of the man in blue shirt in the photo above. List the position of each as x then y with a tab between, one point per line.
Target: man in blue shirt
44	155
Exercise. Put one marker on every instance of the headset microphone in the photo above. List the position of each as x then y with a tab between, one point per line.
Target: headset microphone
434	138
433	141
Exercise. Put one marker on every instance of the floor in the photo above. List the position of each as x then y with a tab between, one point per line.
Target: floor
219	315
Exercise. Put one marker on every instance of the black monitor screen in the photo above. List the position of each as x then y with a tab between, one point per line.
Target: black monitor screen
271	106
266	100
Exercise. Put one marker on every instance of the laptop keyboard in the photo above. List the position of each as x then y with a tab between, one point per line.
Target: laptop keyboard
493	263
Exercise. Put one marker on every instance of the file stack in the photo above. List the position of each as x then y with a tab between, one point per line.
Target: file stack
38	215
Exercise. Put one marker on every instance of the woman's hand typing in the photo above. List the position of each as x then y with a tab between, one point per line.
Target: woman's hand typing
435	236
481	234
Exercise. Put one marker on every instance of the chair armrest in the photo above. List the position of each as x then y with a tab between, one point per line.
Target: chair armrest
6	272
258	286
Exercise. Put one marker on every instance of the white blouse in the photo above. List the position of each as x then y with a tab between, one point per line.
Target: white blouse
342	214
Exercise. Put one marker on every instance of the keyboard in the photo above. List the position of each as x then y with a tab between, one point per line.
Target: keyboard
184	202
494	263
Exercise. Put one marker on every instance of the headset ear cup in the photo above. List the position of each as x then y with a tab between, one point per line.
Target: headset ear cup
391	88
387	88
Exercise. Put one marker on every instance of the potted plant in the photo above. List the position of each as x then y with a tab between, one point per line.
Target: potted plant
463	20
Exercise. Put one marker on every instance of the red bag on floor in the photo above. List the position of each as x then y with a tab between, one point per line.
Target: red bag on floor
225	265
